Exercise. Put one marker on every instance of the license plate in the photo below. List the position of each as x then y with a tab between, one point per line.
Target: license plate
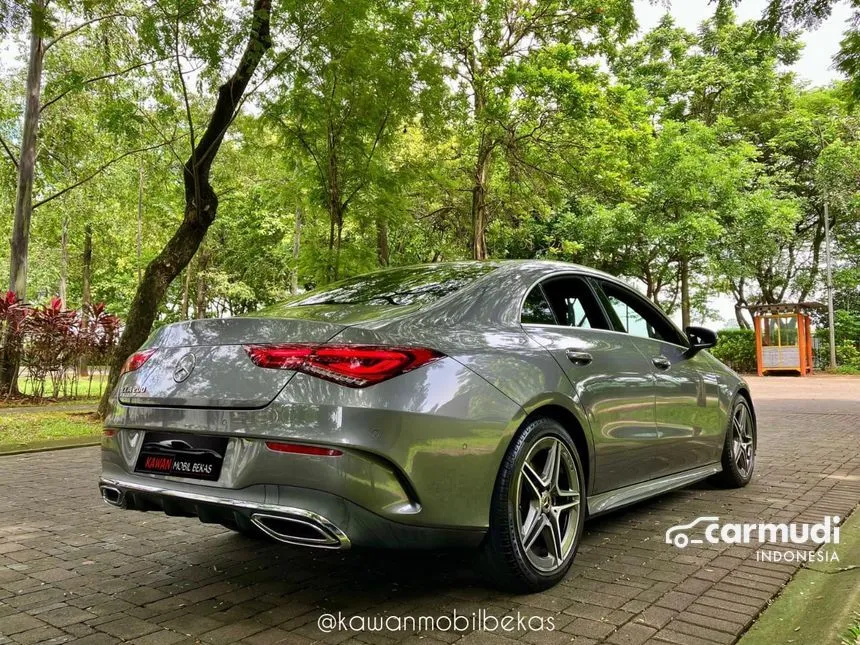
182	455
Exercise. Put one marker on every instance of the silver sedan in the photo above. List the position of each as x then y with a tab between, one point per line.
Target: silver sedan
493	404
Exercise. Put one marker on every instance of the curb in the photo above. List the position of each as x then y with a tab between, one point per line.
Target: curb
816	605
46	446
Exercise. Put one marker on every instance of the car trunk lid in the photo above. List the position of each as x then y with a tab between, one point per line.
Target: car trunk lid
203	363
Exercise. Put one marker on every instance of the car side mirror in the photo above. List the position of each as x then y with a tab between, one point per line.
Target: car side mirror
700	338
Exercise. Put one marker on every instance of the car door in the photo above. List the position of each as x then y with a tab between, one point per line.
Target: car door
613	380
687	415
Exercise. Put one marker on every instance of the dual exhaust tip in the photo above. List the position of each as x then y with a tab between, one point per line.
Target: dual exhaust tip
299	527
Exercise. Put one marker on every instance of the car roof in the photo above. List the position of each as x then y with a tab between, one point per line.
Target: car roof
531	265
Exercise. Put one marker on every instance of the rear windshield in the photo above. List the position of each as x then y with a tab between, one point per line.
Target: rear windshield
406	286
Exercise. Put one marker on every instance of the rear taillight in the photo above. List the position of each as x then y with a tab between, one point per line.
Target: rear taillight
350	365
137	360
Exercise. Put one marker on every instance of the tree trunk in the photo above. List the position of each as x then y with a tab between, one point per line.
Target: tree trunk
297	239
337	248
201	202
685	292
139	223
20	242
186	288
739	316
383	253
200	297
814	265
335	209
27	161
64	263
480	216
86	293
740	304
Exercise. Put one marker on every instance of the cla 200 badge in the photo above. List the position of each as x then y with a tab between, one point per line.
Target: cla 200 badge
134	389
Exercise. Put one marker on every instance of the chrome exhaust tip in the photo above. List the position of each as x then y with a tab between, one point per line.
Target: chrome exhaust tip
307	529
113	496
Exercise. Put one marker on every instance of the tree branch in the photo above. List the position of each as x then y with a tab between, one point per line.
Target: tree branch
9	152
199	163
77	28
98	171
95	79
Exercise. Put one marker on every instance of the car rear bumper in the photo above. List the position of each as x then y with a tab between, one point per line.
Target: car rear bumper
282	512
422	449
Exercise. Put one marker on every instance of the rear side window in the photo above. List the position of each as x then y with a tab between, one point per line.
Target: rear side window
536	309
566	301
405	286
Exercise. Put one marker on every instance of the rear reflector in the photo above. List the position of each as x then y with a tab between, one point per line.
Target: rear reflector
136	360
303	449
109	432
350	365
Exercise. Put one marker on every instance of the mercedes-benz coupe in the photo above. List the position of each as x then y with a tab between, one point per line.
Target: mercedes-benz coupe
492	404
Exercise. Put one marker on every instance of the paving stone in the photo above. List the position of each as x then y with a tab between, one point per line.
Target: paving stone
100	575
19	623
632	634
65	616
128	627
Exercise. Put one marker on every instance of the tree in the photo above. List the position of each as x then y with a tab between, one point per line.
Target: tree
357	79
201	200
491	45
782	15
46	34
726	69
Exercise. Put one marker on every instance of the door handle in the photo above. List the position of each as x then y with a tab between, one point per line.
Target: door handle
578	358
661	362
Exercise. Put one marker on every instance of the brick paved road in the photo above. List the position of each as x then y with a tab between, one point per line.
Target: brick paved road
73	568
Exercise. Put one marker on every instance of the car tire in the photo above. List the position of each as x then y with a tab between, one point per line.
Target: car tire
537	510
739	447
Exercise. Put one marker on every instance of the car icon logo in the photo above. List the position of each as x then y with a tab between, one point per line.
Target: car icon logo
677	534
184	367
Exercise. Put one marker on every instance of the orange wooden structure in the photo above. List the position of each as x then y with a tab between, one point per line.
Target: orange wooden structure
783	337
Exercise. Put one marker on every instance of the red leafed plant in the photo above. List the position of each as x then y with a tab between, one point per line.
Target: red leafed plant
50	345
13	313
50	342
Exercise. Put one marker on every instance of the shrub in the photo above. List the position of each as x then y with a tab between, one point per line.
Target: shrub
736	348
49	342
50	346
847	355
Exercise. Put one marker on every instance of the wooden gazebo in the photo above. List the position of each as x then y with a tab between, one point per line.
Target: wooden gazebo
783	337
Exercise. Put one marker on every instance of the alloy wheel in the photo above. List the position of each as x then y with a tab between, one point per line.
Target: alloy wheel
743	450
548	497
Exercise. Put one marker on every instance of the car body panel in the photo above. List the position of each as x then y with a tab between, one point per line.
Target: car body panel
616	391
417	426
421	450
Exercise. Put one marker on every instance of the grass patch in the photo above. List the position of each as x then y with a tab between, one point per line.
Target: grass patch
84	389
852	635
24	429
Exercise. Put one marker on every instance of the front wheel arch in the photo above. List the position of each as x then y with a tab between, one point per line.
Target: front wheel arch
574	428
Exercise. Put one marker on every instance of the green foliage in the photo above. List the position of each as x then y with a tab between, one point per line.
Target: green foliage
401	132
847	355
736	348
846	327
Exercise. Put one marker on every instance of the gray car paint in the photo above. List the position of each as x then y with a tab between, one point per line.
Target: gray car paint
423	449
